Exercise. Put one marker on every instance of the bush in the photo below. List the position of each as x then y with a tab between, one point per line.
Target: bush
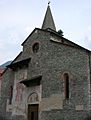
60	32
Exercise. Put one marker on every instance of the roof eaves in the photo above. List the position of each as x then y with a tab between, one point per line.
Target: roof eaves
77	45
69	41
19	63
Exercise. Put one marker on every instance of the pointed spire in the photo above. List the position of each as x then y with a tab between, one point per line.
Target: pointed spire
48	20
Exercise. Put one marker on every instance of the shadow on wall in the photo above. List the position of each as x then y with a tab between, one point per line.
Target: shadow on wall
88	118
3	118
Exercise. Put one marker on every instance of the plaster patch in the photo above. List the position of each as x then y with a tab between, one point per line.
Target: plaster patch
79	107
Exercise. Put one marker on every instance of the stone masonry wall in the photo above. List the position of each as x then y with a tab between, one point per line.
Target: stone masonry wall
53	59
7	82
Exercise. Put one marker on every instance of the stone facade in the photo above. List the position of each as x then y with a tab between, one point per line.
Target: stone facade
37	77
1	72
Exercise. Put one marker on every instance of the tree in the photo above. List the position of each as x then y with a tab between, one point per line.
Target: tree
60	32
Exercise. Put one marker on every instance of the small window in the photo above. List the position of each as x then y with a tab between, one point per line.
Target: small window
35	47
10	94
66	83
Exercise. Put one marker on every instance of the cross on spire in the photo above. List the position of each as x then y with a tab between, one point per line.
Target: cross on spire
49	2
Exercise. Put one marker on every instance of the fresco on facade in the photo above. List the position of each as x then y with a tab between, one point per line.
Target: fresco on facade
33	98
19	92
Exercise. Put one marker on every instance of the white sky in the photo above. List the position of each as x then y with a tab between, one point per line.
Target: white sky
19	17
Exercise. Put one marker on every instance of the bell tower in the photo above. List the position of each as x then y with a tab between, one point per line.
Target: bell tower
48	21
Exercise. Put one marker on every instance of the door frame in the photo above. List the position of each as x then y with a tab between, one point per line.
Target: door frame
32	105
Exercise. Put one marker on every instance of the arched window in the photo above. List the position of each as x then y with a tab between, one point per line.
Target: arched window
66	85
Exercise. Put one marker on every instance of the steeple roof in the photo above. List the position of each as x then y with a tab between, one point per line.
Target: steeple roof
48	20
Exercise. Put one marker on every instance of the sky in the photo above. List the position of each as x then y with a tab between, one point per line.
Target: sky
18	18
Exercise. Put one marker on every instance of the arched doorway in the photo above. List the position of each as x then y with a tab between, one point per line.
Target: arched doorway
33	106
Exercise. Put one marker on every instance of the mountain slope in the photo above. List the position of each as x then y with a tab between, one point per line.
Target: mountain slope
5	64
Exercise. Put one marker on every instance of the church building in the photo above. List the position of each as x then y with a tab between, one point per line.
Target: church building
49	80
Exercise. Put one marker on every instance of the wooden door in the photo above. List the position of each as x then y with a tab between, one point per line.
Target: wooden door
33	112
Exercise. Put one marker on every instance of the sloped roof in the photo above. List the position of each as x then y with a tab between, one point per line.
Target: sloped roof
70	43
66	42
48	20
